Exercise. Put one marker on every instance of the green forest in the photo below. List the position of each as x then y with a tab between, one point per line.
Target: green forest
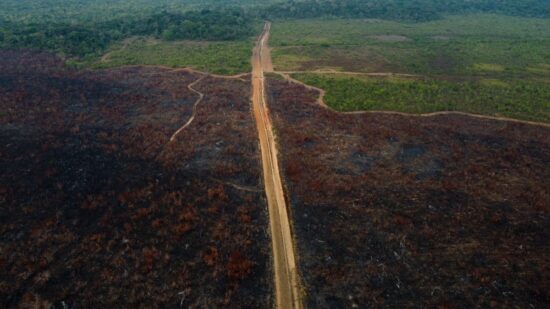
405	10
82	39
80	28
518	99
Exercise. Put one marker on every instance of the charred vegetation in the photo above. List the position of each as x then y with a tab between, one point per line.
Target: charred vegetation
390	210
99	208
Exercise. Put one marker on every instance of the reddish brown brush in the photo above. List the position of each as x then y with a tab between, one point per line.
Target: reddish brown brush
447	211
99	210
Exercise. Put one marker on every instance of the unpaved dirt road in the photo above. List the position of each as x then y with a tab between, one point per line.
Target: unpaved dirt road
287	291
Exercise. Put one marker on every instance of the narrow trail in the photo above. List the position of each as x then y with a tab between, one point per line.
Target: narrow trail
197	102
322	92
190	86
287	290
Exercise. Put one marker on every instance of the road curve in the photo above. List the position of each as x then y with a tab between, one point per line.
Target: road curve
287	291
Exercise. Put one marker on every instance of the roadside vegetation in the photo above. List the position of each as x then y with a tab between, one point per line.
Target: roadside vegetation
517	99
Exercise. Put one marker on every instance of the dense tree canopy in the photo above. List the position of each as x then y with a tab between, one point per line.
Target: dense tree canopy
77	28
86	38
411	10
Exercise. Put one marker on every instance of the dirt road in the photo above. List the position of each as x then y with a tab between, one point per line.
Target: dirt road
284	262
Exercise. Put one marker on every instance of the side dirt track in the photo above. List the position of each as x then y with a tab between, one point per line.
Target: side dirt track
99	209
394	210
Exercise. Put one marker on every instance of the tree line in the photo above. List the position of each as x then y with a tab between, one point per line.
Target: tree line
92	38
405	10
81	37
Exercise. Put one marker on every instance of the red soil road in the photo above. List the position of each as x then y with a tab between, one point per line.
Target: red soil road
287	289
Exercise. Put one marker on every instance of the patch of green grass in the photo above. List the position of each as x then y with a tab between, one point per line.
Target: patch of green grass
228	58
527	100
494	82
488	67
450	46
541	69
290	61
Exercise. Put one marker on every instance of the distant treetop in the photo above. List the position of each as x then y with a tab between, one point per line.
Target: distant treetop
405	10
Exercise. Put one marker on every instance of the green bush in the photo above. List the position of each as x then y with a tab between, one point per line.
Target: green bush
520	99
85	38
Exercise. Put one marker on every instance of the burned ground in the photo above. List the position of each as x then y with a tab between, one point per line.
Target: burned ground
98	208
388	210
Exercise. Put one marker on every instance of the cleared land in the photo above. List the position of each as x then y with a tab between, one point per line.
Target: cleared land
399	211
99	209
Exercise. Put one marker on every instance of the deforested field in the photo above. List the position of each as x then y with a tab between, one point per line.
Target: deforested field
400	211
101	208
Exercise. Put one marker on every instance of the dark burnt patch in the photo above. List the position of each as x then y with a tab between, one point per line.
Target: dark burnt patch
99	209
452	211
